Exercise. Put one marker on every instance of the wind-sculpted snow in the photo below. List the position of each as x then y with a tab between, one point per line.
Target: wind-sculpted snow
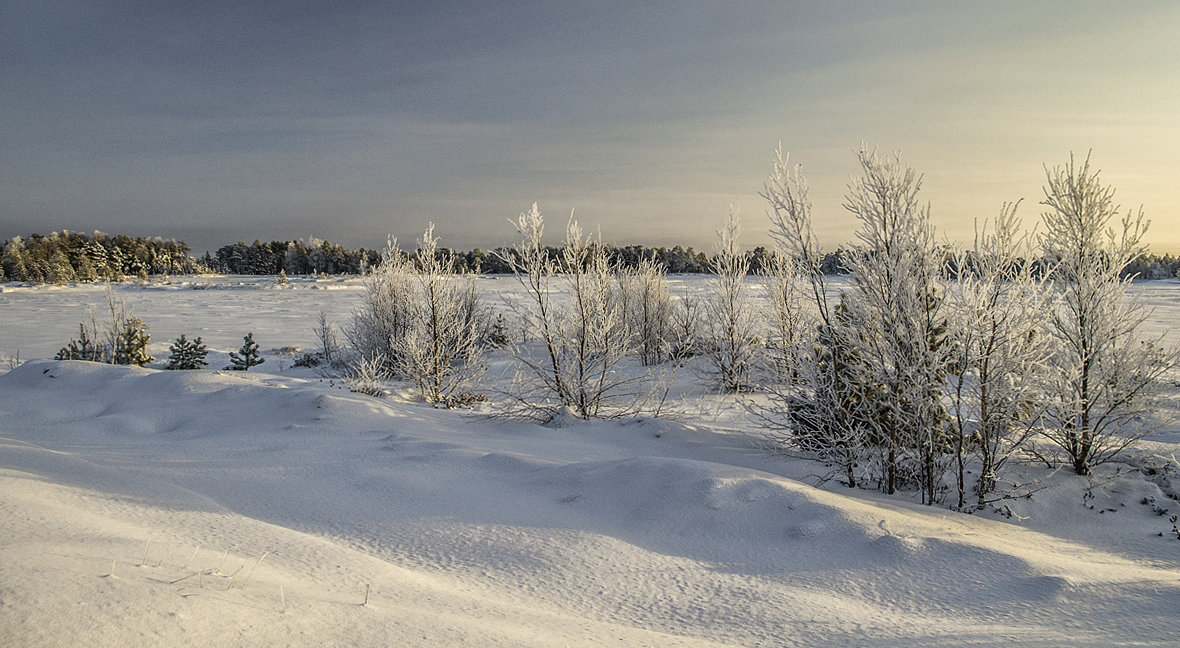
469	531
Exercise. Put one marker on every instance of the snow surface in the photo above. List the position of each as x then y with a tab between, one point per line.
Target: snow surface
149	507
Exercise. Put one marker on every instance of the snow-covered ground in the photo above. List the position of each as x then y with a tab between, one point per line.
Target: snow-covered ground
147	507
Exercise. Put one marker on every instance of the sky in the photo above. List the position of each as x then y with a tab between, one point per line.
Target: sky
214	122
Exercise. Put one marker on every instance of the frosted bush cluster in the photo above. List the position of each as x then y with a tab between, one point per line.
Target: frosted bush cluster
925	368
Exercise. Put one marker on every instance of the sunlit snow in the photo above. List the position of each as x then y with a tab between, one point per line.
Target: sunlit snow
275	507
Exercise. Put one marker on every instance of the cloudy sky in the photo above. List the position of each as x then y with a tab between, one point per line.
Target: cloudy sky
214	122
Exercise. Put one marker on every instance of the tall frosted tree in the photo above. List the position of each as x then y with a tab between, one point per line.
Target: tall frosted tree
897	320
818	407
1107	375
999	353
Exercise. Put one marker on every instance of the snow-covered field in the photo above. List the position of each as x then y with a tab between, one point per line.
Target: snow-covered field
274	507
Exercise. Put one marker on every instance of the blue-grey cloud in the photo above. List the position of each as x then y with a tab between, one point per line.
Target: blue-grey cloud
225	120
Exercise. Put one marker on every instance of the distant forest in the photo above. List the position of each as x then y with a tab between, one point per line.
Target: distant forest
63	257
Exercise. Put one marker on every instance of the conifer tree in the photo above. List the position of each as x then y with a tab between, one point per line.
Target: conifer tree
187	354
131	343
82	348
247	356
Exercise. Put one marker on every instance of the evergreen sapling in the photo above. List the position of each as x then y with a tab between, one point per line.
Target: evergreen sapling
247	356
130	346
187	354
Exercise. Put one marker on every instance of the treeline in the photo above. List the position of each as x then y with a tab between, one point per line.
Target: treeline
324	257
67	256
292	257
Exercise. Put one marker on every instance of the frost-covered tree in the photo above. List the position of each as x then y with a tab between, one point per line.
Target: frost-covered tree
897	322
247	356
439	351
733	340
121	339
582	342
60	270
186	354
820	410
685	325
783	312
999	353
325	332
13	259
1106	373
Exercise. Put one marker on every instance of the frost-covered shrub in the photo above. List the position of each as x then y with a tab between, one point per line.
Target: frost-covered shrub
783	312
387	305
121	339
439	351
647	305
575	364
732	340
685	327
366	375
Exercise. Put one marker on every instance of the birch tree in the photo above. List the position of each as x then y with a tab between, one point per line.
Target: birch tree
819	411
897	320
1107	376
1000	353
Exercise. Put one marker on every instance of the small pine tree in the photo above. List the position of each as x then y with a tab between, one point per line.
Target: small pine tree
131	343
81	349
247	356
497	333
187	354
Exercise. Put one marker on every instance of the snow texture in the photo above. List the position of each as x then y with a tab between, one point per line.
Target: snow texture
150	507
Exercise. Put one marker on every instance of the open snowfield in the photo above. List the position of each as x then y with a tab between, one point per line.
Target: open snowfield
274	507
